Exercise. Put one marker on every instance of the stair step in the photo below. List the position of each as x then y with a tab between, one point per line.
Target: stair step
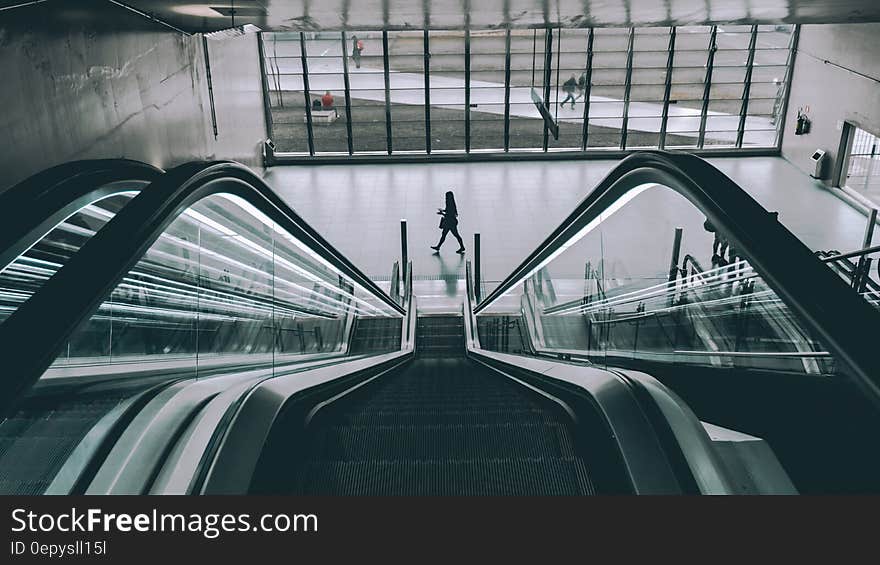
468	477
439	427
442	442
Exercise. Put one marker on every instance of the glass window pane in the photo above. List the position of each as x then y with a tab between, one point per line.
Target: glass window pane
406	61
527	75
528	48
222	283
285	82
367	82
327	91
487	89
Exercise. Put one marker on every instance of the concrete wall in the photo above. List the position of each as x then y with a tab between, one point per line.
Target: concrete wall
96	81
832	93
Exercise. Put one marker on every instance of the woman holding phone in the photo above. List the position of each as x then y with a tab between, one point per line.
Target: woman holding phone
449	222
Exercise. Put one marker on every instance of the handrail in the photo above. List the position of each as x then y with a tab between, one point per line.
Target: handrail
34	206
786	264
856	253
408	333
862	269
693	261
29	345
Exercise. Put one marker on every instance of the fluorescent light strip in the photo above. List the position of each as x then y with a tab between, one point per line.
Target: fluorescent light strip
655	290
278	260
342	307
130	193
248	207
200	293
232	262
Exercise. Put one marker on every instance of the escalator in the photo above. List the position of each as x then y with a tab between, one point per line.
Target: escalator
44	221
147	345
443	425
769	342
206	323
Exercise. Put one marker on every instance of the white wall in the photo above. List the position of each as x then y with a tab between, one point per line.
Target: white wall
119	85
832	93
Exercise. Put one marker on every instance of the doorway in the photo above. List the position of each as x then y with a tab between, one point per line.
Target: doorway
859	172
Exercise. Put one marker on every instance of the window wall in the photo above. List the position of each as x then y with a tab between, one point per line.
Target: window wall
479	91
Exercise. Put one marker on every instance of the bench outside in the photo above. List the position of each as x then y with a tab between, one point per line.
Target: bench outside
322	116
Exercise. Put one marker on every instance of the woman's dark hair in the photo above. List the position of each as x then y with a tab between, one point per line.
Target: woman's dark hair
451	208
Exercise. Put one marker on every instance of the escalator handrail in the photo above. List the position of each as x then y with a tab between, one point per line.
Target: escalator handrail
822	299
32	336
31	208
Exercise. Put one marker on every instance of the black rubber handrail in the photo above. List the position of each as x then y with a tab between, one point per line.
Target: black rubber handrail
34	206
32	336
845	323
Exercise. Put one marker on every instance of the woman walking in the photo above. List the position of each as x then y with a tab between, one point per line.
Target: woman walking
449	223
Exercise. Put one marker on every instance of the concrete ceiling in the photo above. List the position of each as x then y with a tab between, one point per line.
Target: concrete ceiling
280	15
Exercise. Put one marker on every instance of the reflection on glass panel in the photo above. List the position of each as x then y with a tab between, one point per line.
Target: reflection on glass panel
21	278
596	297
222	284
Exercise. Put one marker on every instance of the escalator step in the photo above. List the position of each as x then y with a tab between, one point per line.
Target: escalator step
442	442
467	477
440	427
470	415
36	440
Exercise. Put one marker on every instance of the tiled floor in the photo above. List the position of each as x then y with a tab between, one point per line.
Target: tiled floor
515	205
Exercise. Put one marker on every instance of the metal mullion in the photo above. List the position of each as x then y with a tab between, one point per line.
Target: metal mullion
467	91
668	89
427	58
744	109
305	75
558	59
210	84
507	91
789	71
627	88
388	140
347	94
267	102
587	89
548	68
710	62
